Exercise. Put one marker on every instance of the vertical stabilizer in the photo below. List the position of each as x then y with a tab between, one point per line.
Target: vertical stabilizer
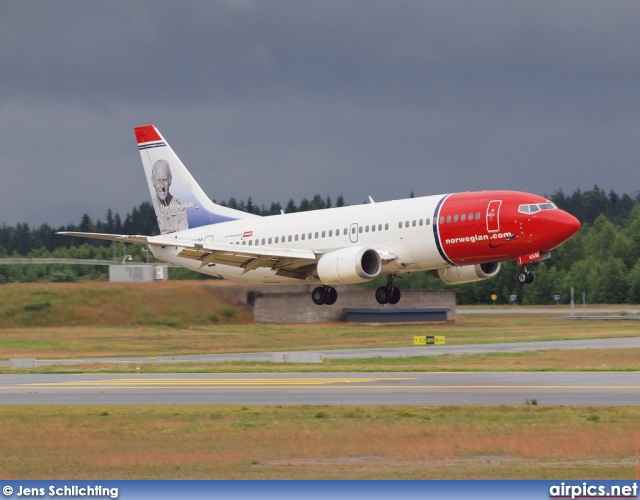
178	200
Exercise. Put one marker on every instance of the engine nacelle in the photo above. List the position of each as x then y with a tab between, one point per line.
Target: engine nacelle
467	274
349	265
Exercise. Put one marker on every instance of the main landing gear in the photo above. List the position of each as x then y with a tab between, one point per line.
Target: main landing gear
327	295
388	294
324	295
525	276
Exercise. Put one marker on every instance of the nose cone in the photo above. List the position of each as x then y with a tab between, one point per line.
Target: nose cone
563	227
570	224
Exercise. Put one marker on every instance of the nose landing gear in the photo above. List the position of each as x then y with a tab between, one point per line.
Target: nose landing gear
525	276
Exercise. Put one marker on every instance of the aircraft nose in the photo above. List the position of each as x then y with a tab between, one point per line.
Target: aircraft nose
565	225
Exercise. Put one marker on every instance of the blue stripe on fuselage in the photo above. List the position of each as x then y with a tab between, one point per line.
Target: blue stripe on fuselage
436	222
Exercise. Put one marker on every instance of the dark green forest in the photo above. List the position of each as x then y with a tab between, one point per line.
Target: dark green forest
602	260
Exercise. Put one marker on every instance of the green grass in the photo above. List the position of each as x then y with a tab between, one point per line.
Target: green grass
317	442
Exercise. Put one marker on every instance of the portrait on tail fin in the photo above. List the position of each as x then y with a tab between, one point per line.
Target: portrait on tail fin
170	211
178	200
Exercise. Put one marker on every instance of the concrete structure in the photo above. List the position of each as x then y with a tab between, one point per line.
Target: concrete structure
296	357
128	273
18	363
292	304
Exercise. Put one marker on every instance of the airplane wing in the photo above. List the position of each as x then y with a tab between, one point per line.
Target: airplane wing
291	263
298	261
295	263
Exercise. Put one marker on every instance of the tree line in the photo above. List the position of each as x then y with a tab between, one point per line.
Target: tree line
602	260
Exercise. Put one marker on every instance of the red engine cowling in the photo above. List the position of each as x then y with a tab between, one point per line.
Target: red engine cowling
349	265
467	274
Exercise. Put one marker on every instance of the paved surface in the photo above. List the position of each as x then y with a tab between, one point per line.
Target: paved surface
560	310
383	352
584	388
547	388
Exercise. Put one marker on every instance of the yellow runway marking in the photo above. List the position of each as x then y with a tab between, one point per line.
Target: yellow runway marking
164	383
292	383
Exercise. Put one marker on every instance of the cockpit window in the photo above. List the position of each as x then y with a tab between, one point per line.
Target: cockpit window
533	208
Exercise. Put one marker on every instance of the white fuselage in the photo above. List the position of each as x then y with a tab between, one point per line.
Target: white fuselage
375	225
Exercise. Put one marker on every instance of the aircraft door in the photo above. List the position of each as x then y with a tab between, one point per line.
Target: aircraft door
493	216
353	233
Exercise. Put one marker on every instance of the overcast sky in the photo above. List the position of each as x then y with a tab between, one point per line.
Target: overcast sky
285	99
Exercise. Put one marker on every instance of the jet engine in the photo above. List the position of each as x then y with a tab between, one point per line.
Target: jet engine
349	265
467	274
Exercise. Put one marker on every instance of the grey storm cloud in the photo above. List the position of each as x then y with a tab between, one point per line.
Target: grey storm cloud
281	99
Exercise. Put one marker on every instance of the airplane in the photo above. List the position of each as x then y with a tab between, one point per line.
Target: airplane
457	237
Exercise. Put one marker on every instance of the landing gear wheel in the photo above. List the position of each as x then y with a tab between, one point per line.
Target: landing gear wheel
332	296
395	296
383	295
525	277
319	296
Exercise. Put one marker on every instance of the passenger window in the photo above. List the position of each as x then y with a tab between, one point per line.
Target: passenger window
277	239
296	237
448	219
373	228
309	235
330	233
441	220
463	217
290	238
323	234
427	222
406	224
262	241
455	218
379	227
244	242
269	241
477	215
400	224
360	229
345	231
386	226
420	222
366	229
250	243
353	230
303	236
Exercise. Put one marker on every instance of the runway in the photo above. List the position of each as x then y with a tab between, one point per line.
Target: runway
547	388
